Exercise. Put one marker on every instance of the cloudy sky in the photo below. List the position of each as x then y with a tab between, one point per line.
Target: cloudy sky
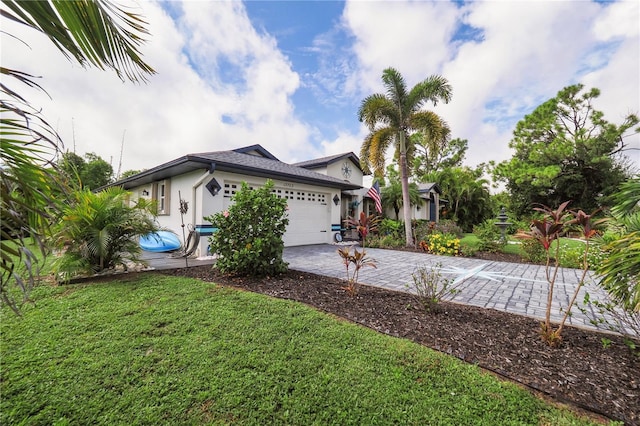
291	75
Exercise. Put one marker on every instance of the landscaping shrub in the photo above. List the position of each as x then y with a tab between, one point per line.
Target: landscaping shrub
533	251
390	227
489	235
430	288
98	231
448	226
442	244
249	236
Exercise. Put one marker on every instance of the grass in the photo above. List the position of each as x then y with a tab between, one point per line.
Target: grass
152	349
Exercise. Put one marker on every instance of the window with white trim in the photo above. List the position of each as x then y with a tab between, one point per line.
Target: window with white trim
162	195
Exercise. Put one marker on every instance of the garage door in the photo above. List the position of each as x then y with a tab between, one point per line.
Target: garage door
309	214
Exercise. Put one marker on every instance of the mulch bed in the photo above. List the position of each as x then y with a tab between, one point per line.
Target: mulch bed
581	372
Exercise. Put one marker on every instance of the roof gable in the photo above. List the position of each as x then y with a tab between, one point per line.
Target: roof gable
325	161
257	150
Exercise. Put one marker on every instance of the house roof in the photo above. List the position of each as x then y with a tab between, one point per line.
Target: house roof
325	161
253	160
428	187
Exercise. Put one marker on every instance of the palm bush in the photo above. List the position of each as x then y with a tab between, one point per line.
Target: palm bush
620	270
99	232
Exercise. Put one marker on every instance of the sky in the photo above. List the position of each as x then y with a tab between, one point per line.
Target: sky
290	75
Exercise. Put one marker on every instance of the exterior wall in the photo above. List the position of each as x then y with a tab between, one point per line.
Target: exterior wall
335	170
201	203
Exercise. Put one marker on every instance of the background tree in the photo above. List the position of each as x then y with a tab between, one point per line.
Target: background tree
451	154
91	174
97	173
128	173
467	193
566	150
392	118
91	33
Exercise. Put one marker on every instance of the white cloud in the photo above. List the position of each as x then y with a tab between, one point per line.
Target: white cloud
222	84
527	53
178	111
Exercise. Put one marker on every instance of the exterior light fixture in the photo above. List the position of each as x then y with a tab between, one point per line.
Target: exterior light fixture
336	199
145	193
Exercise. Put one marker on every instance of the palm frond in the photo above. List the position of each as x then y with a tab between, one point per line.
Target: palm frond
435	88
91	32
395	85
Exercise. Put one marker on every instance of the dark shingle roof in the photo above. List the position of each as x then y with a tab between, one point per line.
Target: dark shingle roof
235	162
324	161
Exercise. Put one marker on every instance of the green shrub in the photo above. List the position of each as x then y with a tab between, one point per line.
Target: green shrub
391	227
98	231
573	256
422	229
249	236
489	235
448	226
533	251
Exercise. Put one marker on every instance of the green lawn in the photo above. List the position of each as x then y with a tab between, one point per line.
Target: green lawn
153	349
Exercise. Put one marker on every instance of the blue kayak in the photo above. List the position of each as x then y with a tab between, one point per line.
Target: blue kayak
160	241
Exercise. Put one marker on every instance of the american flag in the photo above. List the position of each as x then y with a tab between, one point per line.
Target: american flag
374	192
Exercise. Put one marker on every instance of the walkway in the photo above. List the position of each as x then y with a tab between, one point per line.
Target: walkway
512	287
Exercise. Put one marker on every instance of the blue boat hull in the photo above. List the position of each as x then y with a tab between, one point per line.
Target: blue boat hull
160	241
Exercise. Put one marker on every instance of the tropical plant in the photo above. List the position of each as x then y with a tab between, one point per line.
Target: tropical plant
467	192
248	240
392	118
364	225
391	196
359	260
620	270
99	231
547	232
91	33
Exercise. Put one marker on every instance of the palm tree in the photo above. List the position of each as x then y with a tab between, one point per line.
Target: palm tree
391	195
392	118
95	33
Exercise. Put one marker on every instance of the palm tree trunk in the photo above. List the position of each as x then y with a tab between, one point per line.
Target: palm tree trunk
406	202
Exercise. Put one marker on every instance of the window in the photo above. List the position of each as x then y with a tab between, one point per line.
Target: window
162	195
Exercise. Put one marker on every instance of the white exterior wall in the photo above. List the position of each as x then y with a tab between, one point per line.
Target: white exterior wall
311	216
309	221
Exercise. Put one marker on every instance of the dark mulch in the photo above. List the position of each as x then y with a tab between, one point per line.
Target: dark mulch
581	372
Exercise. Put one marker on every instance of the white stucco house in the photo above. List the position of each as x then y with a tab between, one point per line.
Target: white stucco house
207	181
321	193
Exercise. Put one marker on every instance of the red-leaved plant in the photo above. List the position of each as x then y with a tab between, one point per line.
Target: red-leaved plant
359	260
548	230
364	225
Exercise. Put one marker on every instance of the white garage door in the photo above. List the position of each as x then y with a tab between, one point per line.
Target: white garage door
309	214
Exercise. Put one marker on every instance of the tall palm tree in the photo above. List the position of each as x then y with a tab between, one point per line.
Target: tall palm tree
92	33
392	118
